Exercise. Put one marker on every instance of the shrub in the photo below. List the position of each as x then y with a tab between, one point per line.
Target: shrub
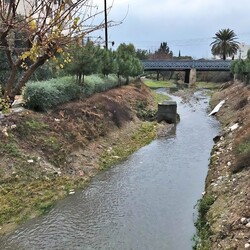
96	83
43	95
242	155
242	103
144	112
43	73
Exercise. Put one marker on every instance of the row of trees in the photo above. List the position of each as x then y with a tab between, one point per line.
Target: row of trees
89	59
82	60
40	35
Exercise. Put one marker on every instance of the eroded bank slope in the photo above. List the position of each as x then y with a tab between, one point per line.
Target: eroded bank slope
45	156
224	211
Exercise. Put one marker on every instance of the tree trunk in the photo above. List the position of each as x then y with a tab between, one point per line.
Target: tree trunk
224	53
13	66
127	80
119	80
26	76
79	75
82	76
158	75
246	78
171	74
10	83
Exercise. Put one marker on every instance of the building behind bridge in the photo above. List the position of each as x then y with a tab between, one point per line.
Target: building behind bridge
242	52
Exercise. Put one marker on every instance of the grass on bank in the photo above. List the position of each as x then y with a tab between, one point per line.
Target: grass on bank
159	98
208	85
25	190
153	84
203	228
242	153
143	136
21	200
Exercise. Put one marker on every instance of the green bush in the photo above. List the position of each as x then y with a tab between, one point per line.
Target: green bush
43	73
242	156
43	95
95	83
144	112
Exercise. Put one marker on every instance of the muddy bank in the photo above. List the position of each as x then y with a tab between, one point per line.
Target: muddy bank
224	211
46	156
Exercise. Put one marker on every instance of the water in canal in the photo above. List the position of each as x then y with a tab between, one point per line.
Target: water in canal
144	203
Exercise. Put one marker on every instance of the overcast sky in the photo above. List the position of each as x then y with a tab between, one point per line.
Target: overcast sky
186	25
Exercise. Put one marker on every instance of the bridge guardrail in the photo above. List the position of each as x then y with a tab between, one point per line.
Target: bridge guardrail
187	64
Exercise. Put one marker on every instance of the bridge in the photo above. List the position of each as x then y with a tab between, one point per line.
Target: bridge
189	66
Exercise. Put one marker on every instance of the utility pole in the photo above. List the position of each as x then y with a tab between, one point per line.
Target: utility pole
106	24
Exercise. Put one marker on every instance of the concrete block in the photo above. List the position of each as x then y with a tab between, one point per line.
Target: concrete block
167	111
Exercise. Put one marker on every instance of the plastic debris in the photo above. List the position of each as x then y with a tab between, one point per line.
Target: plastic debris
217	108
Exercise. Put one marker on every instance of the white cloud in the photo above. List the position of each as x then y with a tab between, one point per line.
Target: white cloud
185	24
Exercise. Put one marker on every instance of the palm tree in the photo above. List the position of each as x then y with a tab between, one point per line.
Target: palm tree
225	43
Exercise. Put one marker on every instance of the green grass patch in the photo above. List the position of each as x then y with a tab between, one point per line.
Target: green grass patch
52	142
244	147
159	98
203	228
30	127
153	84
37	133
242	153
208	85
143	136
21	199
10	148
144	112
35	125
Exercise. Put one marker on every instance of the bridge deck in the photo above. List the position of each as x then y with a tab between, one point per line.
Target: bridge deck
201	65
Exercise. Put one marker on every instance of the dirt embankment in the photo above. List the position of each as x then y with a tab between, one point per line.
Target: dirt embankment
224	221
45	156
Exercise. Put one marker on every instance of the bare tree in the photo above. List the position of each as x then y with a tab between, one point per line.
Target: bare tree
33	31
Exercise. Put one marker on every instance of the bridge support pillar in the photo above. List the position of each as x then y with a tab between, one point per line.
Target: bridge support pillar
192	77
187	76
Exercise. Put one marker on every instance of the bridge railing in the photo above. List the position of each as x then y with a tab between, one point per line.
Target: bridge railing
186	64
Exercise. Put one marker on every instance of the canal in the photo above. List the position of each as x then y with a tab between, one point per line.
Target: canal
147	202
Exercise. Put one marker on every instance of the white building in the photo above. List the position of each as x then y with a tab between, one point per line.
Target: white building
242	52
27	7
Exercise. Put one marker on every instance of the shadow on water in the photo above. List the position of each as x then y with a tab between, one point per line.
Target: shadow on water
146	202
